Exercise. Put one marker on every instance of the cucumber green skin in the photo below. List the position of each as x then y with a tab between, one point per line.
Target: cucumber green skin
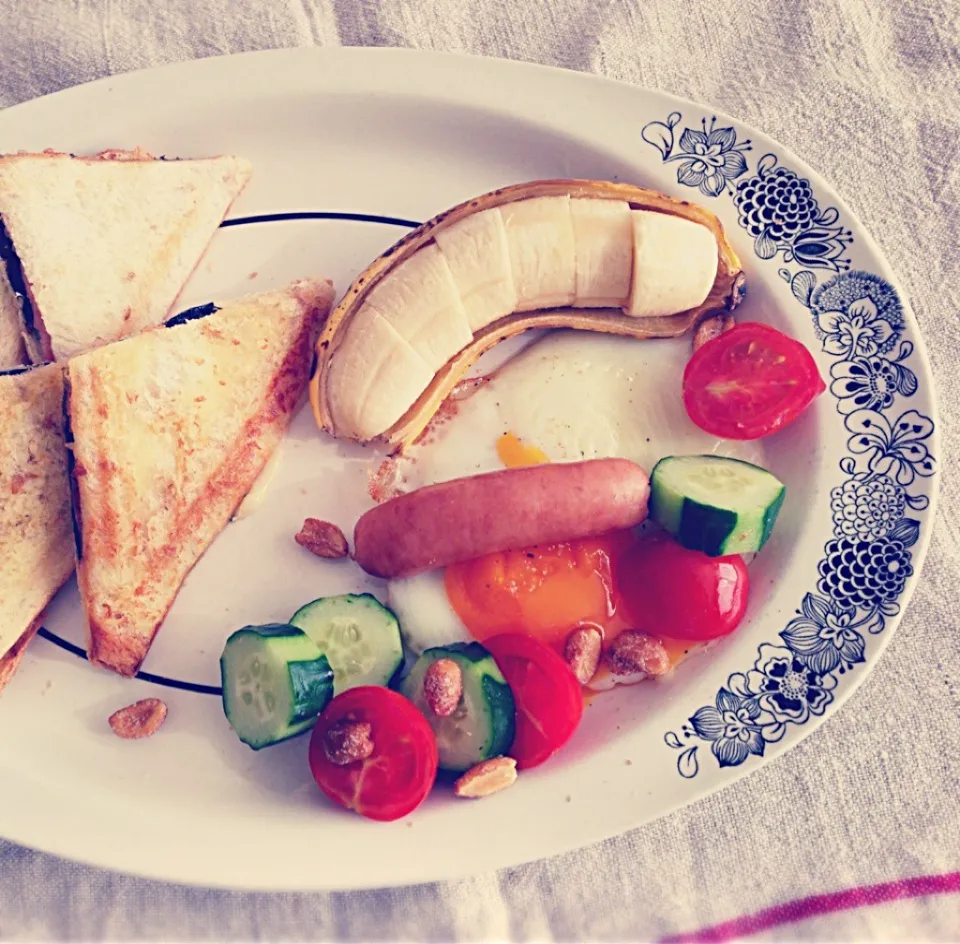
267	631
503	709
719	532
770	516
307	613
476	664
311	686
322	603
716	532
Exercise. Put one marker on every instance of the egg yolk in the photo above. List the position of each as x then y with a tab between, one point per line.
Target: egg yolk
514	453
546	591
542	591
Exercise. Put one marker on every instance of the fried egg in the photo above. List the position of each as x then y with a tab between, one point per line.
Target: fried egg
571	396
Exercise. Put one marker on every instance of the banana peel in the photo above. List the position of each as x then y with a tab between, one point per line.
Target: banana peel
723	298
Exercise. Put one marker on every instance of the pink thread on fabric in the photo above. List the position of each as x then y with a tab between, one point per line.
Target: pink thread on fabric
802	909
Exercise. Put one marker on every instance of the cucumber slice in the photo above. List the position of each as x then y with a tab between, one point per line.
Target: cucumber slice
275	683
483	725
359	636
715	504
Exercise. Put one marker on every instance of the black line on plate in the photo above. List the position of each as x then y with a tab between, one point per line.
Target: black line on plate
195	687
238	221
319	215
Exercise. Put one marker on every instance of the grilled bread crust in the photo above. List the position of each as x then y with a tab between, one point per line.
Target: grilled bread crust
171	430
10	661
36	539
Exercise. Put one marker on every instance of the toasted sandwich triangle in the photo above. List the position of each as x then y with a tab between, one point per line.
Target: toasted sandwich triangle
36	534
99	247
171	429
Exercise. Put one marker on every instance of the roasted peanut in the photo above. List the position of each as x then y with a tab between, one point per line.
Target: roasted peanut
322	538
487	777
139	720
582	651
442	687
347	741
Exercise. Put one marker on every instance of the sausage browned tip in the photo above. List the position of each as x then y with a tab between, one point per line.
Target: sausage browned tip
459	520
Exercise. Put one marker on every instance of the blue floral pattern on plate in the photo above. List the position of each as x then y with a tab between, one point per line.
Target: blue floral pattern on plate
859	321
779	210
711	159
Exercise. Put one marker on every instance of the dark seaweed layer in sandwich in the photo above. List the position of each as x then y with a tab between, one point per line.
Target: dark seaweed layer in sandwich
71	470
18	283
192	314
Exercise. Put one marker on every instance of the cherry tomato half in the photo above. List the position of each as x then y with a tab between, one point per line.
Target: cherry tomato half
548	697
396	778
672	591
749	382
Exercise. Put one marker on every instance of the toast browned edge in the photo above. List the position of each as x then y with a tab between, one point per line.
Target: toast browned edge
125	655
108	154
10	660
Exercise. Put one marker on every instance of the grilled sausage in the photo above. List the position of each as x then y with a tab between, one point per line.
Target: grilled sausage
465	518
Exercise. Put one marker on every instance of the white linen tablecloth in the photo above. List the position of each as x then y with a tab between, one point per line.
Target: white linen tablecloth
867	93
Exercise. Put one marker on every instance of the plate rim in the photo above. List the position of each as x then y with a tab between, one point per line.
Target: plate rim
10	116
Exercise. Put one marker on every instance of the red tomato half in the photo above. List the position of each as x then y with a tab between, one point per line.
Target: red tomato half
749	382
548	697
669	590
396	778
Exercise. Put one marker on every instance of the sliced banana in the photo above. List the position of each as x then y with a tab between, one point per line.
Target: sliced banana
542	255
477	253
421	302
603	236
370	381
582	254
674	264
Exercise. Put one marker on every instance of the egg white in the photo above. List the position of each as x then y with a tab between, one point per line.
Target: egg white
574	395
426	617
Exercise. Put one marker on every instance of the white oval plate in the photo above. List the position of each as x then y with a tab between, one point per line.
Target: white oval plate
403	135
